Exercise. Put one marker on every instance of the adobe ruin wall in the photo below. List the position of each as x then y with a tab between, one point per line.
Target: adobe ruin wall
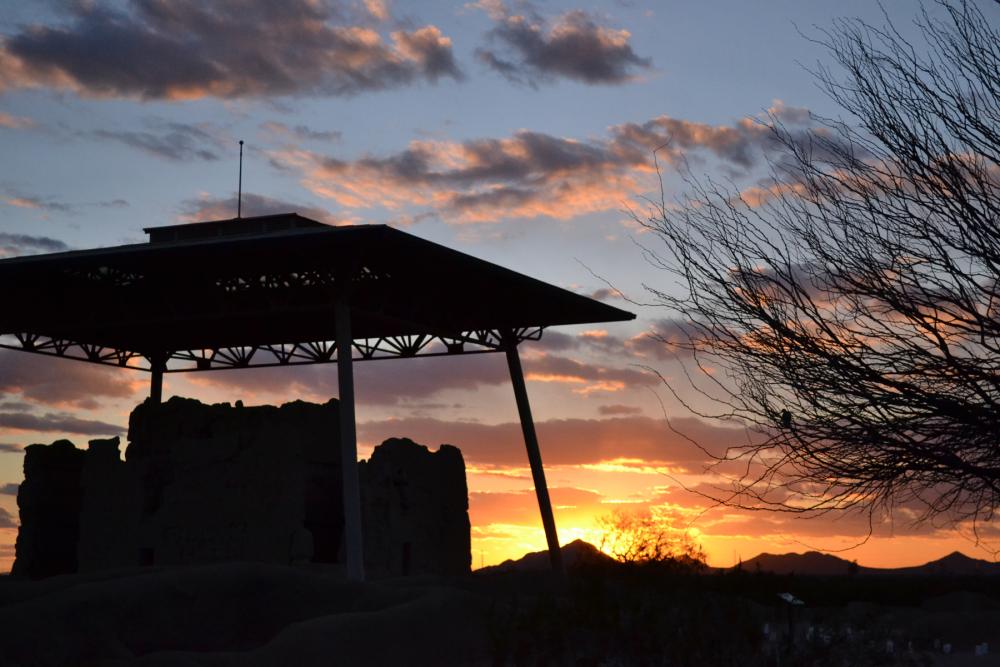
205	483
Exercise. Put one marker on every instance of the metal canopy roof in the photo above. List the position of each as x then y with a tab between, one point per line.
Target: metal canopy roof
261	291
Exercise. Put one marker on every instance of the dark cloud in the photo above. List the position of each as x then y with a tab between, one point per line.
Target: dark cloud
575	46
596	340
60	422
431	49
515	160
10	448
741	144
180	142
599	340
20	199
553	341
223	208
184	49
587	377
113	203
22	244
786	115
404	381
46	205
569	441
532	174
9	489
60	382
664	340
396	381
527	175
6	519
300	132
392	382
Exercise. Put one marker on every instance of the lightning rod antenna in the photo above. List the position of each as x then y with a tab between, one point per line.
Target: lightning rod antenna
239	186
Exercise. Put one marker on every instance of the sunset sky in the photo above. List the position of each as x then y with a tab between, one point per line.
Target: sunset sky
519	132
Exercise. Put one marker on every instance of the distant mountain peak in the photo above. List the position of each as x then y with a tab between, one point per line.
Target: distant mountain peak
816	563
574	553
957	556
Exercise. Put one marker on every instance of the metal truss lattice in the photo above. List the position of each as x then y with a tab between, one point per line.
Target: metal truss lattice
278	354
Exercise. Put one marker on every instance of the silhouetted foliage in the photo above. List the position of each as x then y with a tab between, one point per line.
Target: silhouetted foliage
633	537
849	312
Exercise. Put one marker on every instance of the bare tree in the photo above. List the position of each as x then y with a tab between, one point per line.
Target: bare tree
849	311
641	537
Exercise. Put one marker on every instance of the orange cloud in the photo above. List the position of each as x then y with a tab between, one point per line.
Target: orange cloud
550	377
379	9
206	207
62	383
22	202
528	174
16	122
570	441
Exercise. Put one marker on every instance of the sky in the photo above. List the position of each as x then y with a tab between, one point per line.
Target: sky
522	133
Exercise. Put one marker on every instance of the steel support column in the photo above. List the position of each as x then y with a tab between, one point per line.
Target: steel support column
353	538
534	456
157	366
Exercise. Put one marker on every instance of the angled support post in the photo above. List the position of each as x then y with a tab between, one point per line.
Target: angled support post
534	455
353	538
158	364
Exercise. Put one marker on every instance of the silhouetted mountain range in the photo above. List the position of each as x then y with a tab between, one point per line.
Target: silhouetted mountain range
811	563
820	564
575	553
